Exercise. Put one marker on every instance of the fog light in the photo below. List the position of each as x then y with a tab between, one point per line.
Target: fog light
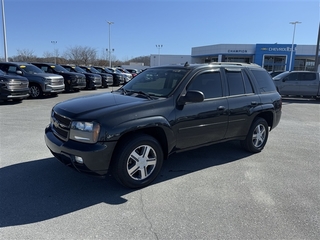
78	159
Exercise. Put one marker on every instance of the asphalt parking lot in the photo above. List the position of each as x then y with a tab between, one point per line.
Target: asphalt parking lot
216	192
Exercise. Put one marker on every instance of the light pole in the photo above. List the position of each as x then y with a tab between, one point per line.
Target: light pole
159	46
109	43
4	33
294	31
54	51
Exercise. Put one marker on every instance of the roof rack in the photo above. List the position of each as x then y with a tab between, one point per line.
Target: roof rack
232	63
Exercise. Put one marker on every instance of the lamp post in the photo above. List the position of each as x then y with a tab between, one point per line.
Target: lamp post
109	43
294	31
159	46
4	33
54	51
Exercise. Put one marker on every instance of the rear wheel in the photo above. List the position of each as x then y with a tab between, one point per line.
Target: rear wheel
257	136
35	91
138	161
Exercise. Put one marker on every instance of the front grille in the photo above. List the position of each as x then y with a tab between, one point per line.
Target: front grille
81	79
60	126
57	81
17	85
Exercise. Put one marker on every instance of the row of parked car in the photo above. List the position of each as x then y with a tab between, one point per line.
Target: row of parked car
22	80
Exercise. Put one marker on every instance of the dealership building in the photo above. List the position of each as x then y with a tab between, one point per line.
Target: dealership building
273	57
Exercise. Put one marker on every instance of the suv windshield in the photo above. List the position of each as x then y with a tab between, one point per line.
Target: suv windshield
92	69
59	68
158	82
31	69
79	69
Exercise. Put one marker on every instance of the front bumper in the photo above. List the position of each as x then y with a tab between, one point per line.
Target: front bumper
96	157
107	82
14	94
54	88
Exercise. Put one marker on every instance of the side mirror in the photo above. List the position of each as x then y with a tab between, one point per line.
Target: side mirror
191	96
285	79
19	72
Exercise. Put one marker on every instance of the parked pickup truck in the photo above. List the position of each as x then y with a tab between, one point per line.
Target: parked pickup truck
302	83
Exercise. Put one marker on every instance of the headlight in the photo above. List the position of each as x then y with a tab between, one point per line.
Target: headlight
87	132
47	80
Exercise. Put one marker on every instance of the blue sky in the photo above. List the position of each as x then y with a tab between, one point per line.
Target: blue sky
139	25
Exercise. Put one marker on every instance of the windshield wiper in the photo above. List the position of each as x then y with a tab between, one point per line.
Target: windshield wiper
124	91
140	93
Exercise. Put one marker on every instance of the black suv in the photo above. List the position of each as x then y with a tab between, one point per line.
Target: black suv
107	79
93	81
118	79
72	80
164	110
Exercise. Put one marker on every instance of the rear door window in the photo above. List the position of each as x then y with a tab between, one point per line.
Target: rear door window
238	81
235	82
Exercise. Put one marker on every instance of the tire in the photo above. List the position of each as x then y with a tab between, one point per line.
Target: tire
35	91
257	136
132	167
67	87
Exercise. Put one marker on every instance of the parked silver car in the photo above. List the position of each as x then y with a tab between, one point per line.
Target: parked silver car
302	83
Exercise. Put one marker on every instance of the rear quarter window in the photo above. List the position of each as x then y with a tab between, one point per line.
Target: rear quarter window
264	81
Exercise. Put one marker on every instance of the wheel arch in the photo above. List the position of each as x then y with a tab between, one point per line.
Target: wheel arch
157	127
268	116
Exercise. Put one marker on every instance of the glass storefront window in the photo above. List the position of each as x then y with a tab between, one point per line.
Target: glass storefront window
274	63
304	64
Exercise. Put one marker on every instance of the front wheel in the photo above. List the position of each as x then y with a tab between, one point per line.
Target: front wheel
35	91
137	161
257	136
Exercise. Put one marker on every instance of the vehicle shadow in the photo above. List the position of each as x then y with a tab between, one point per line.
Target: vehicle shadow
38	190
10	102
301	100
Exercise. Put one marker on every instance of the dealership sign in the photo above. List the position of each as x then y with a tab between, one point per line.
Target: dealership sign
237	51
276	49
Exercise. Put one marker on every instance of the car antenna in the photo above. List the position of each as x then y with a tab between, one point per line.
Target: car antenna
186	64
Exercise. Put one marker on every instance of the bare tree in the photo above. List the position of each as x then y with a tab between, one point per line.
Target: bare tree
24	55
81	55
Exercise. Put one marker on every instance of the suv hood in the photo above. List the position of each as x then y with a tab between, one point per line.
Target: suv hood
14	77
45	75
92	103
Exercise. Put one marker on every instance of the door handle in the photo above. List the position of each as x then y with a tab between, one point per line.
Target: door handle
221	108
254	103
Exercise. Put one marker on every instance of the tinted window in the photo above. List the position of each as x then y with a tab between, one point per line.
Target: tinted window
209	83
264	81
12	69
307	76
292	77
235	82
